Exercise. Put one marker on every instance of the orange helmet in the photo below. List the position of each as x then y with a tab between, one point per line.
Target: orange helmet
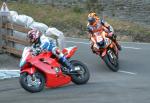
94	15
92	18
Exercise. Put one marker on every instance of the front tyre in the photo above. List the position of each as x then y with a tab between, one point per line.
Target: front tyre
82	74
111	61
32	83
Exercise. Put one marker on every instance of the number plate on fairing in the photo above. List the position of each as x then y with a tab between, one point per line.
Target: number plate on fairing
99	38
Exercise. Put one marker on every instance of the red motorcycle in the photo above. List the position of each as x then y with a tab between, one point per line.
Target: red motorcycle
107	50
45	70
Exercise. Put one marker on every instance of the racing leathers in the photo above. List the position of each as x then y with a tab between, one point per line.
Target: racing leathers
99	26
45	43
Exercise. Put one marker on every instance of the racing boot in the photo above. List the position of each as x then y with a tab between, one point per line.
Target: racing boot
118	45
65	62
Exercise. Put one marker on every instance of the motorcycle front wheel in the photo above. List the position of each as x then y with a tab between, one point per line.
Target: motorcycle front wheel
82	74
32	83
111	60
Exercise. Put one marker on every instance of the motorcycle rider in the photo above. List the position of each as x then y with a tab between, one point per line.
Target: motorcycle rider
41	42
96	25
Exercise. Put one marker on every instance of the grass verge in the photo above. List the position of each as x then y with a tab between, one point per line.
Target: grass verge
72	21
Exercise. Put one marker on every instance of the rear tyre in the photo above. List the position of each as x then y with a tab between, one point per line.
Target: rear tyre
111	61
82	76
33	86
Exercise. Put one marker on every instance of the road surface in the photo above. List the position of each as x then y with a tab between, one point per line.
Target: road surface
130	85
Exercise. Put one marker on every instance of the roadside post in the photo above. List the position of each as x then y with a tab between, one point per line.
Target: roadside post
4	19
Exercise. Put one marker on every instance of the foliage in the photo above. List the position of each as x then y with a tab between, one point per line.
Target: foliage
72	21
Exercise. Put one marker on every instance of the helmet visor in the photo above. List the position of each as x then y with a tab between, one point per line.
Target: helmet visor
91	20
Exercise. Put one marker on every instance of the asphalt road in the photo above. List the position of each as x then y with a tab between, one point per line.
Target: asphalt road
130	85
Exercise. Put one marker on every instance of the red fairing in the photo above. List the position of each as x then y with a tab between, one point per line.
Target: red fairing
69	51
47	66
104	52
30	70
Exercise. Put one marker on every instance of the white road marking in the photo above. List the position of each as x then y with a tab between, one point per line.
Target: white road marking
9	73
141	43
89	43
4	70
127	72
16	73
77	42
131	47
120	41
76	38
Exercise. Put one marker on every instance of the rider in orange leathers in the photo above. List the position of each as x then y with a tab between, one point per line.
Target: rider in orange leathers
95	25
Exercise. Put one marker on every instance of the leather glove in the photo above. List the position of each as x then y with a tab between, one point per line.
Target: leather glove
36	51
114	36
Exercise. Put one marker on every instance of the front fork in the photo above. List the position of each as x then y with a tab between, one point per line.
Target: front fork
31	71
110	53
104	53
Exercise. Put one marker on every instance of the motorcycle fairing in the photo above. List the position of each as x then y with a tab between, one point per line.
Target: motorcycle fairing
69	51
46	65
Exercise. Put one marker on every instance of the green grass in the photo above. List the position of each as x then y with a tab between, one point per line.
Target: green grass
72	21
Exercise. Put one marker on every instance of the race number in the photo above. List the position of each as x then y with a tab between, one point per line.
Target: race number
99	38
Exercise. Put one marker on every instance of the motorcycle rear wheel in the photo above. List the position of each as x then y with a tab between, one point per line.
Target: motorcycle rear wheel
36	85
82	76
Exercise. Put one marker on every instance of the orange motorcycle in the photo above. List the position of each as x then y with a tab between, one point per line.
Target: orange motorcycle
106	49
